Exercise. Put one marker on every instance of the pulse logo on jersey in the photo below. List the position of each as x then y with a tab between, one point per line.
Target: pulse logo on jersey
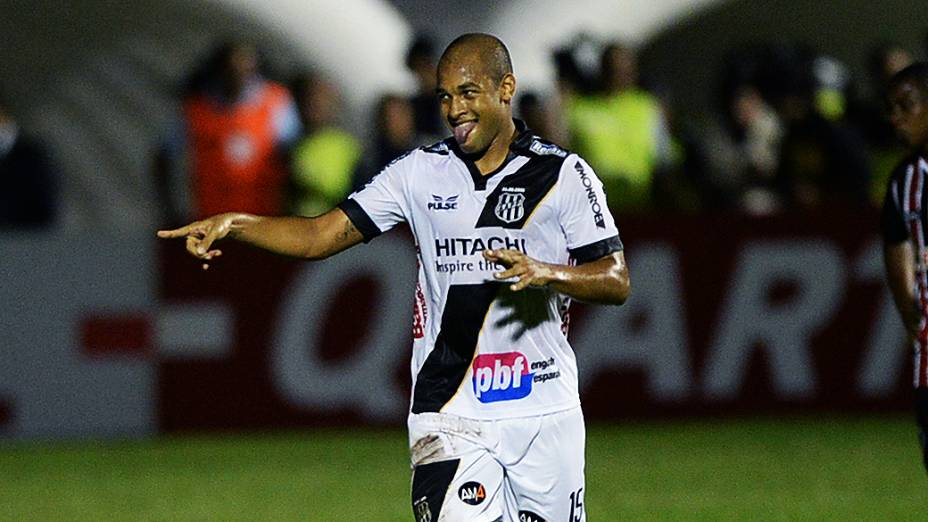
591	196
501	377
440	203
472	493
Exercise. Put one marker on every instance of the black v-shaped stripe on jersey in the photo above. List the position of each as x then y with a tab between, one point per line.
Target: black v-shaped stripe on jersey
519	146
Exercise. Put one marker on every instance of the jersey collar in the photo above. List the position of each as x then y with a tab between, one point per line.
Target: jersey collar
518	147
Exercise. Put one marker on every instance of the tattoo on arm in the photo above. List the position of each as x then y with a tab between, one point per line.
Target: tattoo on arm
343	236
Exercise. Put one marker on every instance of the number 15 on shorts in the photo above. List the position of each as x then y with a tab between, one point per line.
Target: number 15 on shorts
576	506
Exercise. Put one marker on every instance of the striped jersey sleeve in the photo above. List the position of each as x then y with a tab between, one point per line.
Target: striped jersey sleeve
903	200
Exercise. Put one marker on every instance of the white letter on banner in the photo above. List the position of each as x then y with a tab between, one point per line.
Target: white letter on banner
659	347
748	317
366	380
885	353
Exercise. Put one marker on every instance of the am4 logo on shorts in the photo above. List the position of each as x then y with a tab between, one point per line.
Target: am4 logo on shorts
472	493
528	516
501	377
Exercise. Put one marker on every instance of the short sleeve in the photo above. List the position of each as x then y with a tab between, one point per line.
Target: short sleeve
892	221
381	204
583	214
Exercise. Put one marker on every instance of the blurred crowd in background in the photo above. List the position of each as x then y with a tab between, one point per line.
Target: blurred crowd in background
792	129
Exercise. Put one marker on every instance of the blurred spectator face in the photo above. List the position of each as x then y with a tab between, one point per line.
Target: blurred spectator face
396	120
746	106
239	66
424	69
318	103
619	68
908	112
535	115
420	60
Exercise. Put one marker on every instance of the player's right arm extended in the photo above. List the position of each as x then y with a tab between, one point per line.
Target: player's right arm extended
310	238
900	274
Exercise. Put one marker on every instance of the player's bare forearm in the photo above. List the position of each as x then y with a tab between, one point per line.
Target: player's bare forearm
309	238
900	275
604	280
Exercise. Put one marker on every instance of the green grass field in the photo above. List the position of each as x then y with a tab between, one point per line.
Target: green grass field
758	469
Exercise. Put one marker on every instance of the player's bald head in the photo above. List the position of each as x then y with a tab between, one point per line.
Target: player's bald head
484	49
915	74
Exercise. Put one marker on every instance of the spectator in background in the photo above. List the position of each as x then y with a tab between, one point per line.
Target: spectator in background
420	60
822	162
832	87
742	150
326	158
575	78
537	116
396	135
236	129
621	130
28	184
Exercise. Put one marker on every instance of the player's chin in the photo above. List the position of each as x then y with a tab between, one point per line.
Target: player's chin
467	146
472	146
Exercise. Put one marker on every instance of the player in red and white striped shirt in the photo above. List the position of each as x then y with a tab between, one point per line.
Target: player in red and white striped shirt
905	226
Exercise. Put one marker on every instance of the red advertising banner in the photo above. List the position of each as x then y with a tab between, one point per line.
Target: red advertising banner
728	315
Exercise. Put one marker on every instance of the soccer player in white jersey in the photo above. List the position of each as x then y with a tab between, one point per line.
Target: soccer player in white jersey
508	228
905	226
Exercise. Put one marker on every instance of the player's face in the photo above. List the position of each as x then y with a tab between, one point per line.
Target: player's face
475	106
908	111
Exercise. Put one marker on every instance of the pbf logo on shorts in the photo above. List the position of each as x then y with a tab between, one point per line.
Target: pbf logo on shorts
501	377
472	493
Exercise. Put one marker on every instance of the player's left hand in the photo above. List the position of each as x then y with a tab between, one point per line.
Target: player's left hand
529	271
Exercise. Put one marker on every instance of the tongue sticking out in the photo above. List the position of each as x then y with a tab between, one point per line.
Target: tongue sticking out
463	130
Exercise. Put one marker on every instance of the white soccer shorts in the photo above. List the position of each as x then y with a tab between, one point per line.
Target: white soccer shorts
527	469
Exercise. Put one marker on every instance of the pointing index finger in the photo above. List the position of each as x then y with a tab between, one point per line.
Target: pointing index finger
177	232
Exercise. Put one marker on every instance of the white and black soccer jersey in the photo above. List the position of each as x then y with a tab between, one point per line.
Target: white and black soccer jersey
905	218
480	350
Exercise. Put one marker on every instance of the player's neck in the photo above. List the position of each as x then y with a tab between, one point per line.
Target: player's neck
498	150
